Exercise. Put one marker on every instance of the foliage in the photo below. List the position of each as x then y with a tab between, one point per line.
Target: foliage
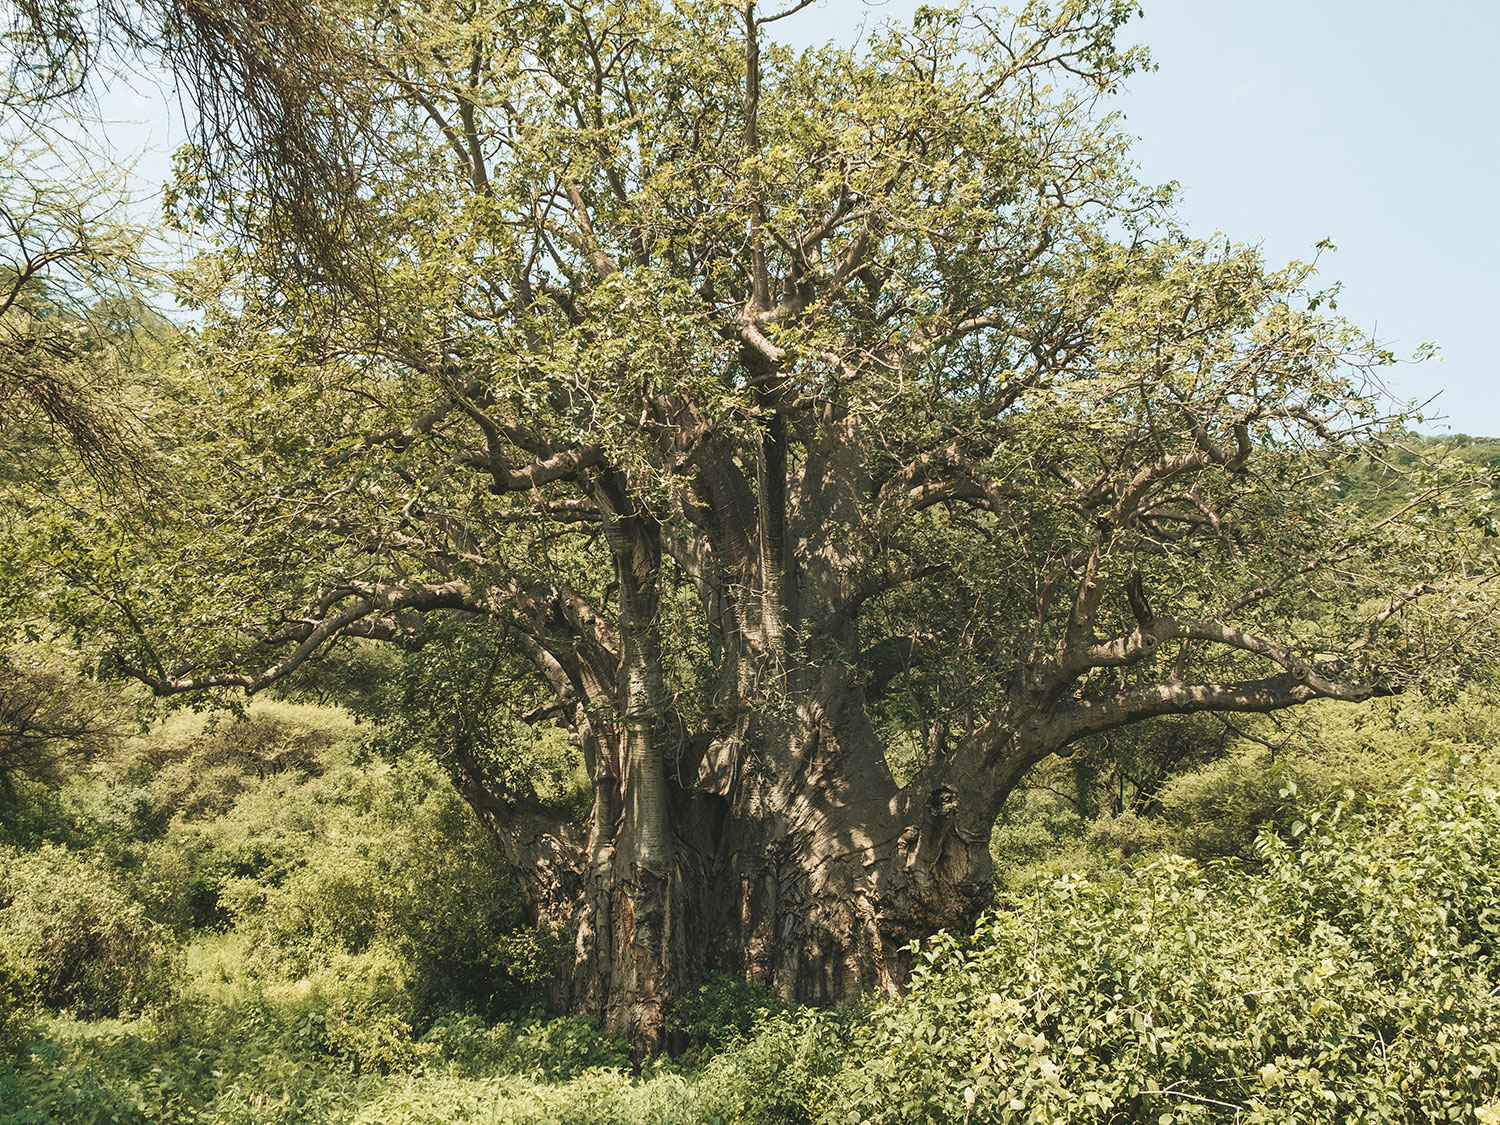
1420	893
724	1010
74	326
77	939
142	1071
450	692
356	901
1351	977
196	766
1218	810
1103	803
275	822
15	1005
386	859
49	723
1354	980
282	829
177	1070
1210	797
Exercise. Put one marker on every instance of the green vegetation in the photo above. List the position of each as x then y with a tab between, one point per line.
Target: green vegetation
248	919
715	583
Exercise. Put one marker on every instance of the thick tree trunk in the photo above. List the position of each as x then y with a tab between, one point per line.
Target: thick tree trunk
823	913
813	886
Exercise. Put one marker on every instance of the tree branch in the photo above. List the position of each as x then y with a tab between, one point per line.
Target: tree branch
1091	715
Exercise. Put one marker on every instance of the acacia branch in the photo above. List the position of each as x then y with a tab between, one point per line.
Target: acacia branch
566	465
792	11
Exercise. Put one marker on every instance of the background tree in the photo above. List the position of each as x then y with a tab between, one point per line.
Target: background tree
74	274
47	722
819	439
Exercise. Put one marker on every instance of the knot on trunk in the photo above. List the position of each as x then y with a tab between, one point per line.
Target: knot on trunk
932	836
943	802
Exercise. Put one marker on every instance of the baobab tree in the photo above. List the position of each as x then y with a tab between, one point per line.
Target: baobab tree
818	439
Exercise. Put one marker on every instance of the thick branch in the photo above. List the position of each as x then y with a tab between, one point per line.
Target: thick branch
367	616
1091	715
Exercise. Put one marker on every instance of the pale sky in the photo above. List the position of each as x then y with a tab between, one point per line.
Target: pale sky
1373	123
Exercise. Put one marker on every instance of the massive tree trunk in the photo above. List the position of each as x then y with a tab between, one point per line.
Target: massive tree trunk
770	842
812	885
773	843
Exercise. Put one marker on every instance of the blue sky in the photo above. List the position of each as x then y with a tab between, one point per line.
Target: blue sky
1376	124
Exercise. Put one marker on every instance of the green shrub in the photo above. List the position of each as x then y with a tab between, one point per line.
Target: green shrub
361	1010
562	1048
166	1072
1034	827
1354	979
596	1097
1414	882
392	859
197	766
1218	812
79	941
723	1010
14	1004
324	856
366	929
50	722
1122	835
785	1073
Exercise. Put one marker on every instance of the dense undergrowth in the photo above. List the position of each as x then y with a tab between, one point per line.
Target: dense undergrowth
251	922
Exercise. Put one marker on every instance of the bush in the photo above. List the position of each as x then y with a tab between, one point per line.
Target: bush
273	825
78	940
786	1073
1354	979
1218	812
394	861
1349	974
723	1010
358	1010
13	1005
160	1072
1414	881
50	721
196	767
